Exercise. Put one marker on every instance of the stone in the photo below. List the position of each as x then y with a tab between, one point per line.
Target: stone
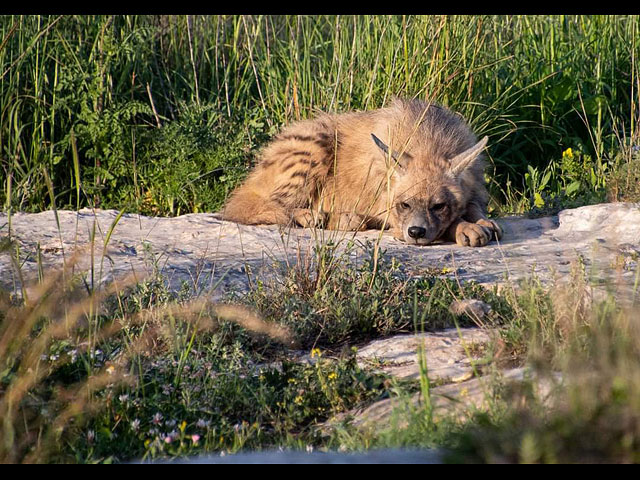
475	309
207	252
448	354
454	399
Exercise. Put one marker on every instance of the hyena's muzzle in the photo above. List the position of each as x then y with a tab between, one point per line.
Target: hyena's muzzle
421	229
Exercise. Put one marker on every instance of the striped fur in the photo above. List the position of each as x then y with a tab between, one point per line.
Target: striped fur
411	164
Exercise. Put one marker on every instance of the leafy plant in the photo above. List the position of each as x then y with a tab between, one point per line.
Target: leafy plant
329	298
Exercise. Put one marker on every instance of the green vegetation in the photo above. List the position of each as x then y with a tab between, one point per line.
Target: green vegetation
136	371
140	372
328	298
166	113
580	402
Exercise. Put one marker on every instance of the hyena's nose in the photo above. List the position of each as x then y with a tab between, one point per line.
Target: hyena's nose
417	232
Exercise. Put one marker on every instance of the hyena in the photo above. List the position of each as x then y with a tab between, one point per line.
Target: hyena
413	167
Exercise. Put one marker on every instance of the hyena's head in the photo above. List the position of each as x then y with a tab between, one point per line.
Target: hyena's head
428	193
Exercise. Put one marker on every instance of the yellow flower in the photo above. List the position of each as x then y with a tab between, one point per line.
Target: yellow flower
568	153
316	353
333	376
298	400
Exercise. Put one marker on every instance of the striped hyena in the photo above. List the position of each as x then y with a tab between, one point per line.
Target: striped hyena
413	167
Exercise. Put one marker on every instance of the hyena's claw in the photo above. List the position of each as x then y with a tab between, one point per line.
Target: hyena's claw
493	227
473	234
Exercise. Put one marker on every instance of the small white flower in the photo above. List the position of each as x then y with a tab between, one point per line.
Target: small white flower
96	353
201	423
135	425
157	418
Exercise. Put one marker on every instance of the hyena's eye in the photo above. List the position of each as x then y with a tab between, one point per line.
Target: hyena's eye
404	206
438	207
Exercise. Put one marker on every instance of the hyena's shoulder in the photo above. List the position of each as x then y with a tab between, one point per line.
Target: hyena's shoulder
313	147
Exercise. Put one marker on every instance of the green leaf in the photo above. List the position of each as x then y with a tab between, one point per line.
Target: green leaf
544	181
573	188
593	104
562	90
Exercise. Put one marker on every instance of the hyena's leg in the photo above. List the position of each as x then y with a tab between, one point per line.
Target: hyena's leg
307	218
475	214
474	229
347	221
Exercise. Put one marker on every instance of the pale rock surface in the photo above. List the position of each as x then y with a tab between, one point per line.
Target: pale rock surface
204	251
454	399
449	354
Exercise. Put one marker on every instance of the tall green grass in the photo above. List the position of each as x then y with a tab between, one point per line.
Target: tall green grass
167	111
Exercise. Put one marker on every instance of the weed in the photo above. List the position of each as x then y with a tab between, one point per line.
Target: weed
332	296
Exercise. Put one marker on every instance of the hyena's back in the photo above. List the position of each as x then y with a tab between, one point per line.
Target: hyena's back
290	174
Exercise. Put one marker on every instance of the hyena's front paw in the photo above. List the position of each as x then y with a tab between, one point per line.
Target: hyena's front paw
348	221
307	218
493	226
473	234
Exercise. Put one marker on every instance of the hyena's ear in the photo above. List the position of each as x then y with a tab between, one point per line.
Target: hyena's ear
464	160
401	159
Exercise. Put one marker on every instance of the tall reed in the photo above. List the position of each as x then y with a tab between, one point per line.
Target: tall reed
535	84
